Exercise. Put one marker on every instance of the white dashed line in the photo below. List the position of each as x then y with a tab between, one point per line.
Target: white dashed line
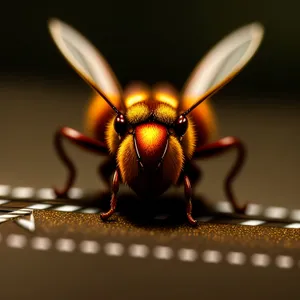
13	215
75	193
68	245
212	256
253	222
45	194
4	190
16	241
188	255
65	245
253	209
276	212
90	210
139	251
9	216
41	243
89	247
2	201
39	206
260	260
284	262
114	249
236	258
293	225
68	208
22	211
163	252
224	207
22	192
295	215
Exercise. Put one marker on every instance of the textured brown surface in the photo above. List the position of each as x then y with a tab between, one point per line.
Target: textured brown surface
226	234
31	111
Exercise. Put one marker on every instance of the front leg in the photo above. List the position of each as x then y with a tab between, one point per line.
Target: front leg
219	147
78	139
106	170
188	198
113	201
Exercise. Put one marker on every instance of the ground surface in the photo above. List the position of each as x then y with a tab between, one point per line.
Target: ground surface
67	245
61	250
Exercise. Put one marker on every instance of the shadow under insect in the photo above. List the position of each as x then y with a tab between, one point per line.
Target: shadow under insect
155	133
166	210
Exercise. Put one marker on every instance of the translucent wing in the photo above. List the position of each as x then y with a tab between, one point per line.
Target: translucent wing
221	64
86	60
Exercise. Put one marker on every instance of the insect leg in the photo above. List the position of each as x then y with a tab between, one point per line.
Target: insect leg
192	171
219	147
106	170
81	140
113	201
188	196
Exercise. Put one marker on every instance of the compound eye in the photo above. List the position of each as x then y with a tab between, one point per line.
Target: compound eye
120	125
181	125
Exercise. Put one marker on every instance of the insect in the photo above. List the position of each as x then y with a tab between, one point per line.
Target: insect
152	135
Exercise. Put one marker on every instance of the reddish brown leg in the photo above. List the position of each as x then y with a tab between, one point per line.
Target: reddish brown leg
106	170
188	196
113	201
219	147
192	171
79	139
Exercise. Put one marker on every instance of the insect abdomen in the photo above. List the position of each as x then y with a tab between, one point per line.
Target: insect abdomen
98	115
205	122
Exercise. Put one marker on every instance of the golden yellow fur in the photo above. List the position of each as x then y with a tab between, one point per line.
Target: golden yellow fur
204	119
189	140
138	113
173	161
126	160
136	96
111	137
165	113
98	114
162	113
141	104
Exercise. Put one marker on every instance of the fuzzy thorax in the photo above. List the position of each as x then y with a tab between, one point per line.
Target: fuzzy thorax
171	166
163	114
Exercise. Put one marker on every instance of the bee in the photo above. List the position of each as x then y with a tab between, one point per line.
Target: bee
153	134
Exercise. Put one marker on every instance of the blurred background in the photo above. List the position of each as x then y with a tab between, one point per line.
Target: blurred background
152	41
157	40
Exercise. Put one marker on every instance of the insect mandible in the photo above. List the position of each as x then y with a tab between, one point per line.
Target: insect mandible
153	134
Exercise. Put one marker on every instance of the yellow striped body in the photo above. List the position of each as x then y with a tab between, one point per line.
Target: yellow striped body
99	112
163	104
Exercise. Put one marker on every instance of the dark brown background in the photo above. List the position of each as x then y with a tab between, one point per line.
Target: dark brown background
154	40
151	41
32	111
157	40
